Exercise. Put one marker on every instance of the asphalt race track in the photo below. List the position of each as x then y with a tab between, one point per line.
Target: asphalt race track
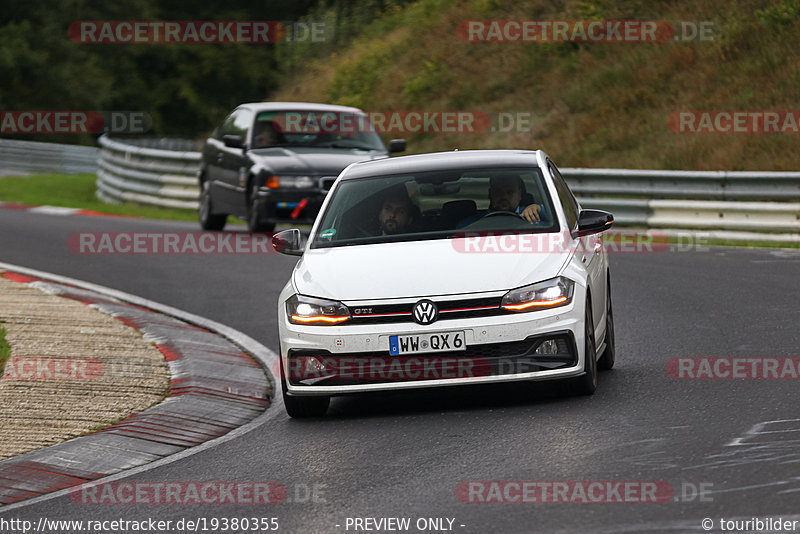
729	448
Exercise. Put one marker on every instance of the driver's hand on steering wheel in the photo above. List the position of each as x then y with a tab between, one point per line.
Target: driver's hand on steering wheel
531	213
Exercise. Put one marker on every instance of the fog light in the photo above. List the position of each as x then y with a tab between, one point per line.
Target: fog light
552	347
313	367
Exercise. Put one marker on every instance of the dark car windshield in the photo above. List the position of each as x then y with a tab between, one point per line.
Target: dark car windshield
320	129
435	205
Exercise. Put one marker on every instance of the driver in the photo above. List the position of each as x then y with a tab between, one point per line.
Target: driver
505	194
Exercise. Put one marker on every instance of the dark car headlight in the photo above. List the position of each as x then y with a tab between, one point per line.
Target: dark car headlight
313	311
298	182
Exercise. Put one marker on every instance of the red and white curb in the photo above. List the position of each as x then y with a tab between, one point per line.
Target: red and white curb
218	393
57	210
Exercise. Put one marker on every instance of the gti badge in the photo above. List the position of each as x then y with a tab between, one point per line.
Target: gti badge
425	312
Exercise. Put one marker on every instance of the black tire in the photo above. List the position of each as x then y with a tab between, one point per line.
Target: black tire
586	384
254	221
606	360
302	407
208	219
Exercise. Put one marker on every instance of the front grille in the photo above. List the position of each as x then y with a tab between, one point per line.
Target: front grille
401	313
323	368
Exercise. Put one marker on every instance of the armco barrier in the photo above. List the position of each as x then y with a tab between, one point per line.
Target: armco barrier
741	205
25	157
155	176
699	185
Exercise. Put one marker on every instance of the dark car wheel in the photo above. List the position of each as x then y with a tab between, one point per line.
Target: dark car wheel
254	221
586	384
606	360
208	219
302	407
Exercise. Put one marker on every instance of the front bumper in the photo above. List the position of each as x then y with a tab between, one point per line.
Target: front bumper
280	204
335	360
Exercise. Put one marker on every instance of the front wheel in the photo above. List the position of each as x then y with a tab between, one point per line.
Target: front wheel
606	360
254	222
586	384
208	219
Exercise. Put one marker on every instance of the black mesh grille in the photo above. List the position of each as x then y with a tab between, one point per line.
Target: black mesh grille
322	368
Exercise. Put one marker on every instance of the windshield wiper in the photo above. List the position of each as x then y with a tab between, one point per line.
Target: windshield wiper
359	147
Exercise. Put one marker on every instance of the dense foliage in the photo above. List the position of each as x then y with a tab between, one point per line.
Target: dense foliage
185	88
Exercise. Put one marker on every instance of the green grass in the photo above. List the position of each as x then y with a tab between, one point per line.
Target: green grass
5	349
78	191
754	244
594	104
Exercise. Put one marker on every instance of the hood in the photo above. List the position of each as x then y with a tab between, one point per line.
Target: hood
417	269
324	161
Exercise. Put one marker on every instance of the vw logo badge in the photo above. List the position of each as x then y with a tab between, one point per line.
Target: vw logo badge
425	312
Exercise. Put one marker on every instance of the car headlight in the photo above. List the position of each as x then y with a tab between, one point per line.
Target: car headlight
548	294
309	310
299	182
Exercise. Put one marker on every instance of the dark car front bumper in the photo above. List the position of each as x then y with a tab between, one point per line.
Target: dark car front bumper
295	205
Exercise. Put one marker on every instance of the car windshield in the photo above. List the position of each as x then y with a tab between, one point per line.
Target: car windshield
435	205
316	129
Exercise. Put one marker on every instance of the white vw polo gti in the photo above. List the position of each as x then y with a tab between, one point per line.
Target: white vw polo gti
445	269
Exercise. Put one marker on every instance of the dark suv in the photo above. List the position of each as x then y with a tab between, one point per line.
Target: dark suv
276	161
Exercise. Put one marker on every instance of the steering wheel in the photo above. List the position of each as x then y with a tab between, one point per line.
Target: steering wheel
499	213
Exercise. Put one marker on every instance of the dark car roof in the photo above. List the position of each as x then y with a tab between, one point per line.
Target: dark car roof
442	161
293	106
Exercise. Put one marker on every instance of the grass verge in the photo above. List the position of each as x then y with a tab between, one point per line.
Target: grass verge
78	191
5	349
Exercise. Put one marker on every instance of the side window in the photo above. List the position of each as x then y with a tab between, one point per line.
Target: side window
227	125
237	123
568	202
242	123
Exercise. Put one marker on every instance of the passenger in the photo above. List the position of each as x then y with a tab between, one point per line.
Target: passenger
397	212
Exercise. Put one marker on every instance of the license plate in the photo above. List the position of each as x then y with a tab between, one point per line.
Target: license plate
413	344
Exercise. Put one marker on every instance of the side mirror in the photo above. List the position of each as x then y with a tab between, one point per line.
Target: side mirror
397	145
289	242
233	141
593	222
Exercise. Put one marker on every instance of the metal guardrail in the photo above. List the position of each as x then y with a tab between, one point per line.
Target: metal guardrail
728	204
25	157
742	205
131	172
705	185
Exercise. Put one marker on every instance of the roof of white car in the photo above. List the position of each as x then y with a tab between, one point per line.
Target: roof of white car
438	161
294	106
